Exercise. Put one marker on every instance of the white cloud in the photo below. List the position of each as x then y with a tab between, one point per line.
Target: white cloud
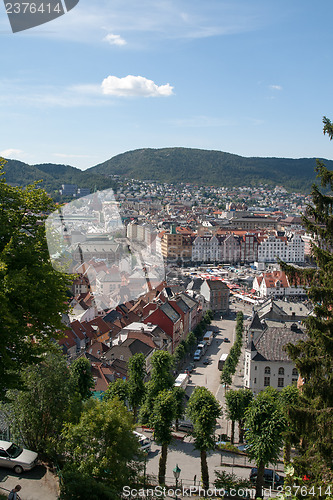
11	153
153	20
275	87
114	40
138	86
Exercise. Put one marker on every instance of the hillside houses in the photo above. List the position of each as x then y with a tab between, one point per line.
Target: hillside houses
159	319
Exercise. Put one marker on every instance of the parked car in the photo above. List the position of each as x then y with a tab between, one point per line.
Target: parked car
206	361
185	427
226	340
268	477
243	447
190	368
14	457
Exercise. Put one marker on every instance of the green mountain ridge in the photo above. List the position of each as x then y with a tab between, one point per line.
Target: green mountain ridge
173	165
53	176
211	168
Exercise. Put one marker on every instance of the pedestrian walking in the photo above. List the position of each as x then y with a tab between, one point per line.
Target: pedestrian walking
13	494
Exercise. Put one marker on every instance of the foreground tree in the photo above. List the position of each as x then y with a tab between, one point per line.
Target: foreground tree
82	377
289	400
203	410
237	403
313	416
161	378
38	413
117	389
161	420
32	294
102	445
136	385
265	422
179	399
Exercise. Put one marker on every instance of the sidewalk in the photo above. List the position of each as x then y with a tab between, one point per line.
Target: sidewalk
37	484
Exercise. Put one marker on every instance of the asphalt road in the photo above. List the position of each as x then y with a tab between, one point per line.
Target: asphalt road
183	453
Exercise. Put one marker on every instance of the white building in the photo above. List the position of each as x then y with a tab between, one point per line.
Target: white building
266	362
205	249
276	284
288	248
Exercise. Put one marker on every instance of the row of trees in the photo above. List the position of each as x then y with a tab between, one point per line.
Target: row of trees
232	360
162	404
268	424
186	346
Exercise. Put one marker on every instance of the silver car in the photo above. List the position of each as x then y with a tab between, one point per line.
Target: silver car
14	457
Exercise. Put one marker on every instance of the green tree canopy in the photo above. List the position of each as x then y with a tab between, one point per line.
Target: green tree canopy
203	409
82	377
237	403
162	416
313	416
265	422
102	444
161	378
32	293
136	385
118	389
38	413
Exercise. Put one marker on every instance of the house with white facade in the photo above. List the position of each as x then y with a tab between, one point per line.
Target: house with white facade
289	248
266	361
205	249
276	284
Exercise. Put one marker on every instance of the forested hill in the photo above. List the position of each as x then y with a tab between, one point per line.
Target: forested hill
173	165
211	168
53	176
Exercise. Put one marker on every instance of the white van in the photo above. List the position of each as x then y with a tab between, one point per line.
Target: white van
144	441
197	355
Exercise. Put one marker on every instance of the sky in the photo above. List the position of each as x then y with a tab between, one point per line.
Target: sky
253	78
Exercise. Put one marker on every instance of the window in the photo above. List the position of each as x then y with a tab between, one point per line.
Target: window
294	381
267	381
267	370
281	382
255	367
295	372
281	371
255	380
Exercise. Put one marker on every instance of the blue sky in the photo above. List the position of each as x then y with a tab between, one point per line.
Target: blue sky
252	78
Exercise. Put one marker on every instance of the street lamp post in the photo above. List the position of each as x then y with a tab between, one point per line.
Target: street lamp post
176	472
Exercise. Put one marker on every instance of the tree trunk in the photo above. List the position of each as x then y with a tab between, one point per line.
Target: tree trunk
241	431
286	451
162	464
260	481
232	439
135	413
204	469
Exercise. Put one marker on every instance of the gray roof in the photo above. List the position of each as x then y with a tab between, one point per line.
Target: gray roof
255	323
270	345
170	312
188	300
182	305
127	349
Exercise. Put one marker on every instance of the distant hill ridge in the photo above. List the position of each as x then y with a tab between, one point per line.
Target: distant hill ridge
174	165
211	168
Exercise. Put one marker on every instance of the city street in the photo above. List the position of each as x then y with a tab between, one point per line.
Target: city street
184	453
